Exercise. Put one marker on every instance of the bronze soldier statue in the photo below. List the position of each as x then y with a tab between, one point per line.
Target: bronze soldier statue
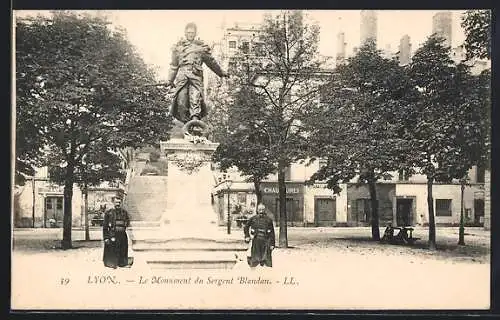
186	75
114	227
262	228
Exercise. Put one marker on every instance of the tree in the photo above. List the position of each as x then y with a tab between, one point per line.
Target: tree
83	86
435	138
283	72
98	165
477	27
359	130
469	141
245	143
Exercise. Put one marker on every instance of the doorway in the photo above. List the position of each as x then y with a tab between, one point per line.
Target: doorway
479	211
54	211
293	212
404	216
324	212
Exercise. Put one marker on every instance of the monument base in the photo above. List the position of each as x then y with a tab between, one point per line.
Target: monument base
188	235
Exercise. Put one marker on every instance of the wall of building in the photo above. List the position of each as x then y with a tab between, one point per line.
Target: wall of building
439	191
23	211
319	190
42	189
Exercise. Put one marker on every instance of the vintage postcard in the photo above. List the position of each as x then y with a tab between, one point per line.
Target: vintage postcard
251	160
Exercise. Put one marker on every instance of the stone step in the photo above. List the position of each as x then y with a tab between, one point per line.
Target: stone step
165	265
190	259
162	247
188	244
188	255
136	224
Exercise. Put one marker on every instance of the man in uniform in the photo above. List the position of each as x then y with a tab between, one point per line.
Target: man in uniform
186	74
114	227
262	228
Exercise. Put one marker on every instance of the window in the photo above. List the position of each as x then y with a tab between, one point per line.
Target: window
59	203
403	175
325	95
288	173
245	47
232	44
232	65
242	197
48	203
443	207
257	47
480	172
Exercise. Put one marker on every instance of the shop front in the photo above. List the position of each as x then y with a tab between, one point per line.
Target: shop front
294	202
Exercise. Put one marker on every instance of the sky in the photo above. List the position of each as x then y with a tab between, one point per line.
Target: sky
154	32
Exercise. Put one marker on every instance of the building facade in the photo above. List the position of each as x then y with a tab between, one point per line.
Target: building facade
40	203
402	201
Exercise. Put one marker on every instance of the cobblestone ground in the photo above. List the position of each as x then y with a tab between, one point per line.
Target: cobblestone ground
332	268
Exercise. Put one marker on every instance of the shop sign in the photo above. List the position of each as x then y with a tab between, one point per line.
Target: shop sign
289	190
50	189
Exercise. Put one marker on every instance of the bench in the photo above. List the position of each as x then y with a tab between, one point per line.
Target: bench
241	221
404	236
97	221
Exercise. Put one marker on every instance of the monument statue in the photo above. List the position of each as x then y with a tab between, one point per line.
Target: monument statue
186	77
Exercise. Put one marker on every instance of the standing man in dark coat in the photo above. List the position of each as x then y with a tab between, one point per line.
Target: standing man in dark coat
186	74
262	228
115	223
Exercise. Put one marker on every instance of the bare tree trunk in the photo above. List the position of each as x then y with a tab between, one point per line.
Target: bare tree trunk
258	192
430	206
68	196
86	211
283	238
33	202
374	204
461	228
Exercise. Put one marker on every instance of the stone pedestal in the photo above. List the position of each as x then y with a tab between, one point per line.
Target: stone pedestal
189	212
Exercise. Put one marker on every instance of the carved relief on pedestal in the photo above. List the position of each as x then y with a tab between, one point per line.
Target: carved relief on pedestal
189	161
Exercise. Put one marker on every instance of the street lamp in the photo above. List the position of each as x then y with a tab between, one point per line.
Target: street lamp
461	231
228	184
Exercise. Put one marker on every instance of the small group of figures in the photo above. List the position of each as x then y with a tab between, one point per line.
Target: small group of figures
259	233
404	236
114	226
